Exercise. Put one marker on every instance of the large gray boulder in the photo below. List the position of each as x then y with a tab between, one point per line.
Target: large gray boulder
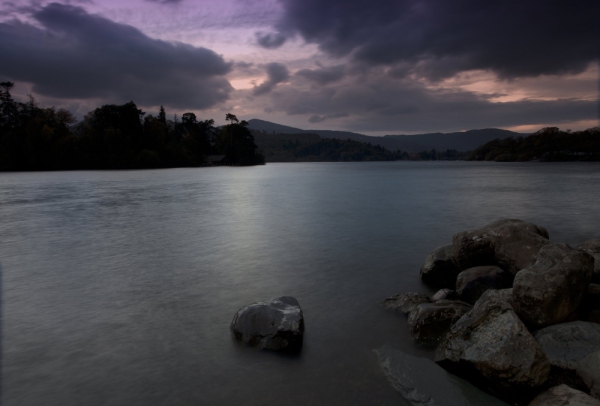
592	247
553	287
565	346
568	343
440	267
472	282
428	322
277	324
510	244
563	395
491	346
405	302
423	383
588	369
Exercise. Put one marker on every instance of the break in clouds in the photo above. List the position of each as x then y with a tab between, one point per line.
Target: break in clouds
75	55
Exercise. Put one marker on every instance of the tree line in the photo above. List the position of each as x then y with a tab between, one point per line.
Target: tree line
114	137
548	144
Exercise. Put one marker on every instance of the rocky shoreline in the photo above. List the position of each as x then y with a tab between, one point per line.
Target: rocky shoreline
515	321
516	315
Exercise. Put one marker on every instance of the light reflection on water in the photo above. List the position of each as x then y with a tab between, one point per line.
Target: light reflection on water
119	287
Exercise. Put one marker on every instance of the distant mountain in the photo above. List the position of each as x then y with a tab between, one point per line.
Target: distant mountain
310	147
460	141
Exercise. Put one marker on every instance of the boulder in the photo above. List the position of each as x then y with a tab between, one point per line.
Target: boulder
592	247
506	294
277	324
568	343
423	383
562	395
405	302
445	294
428	322
491	347
565	346
553	287
510	244
440	267
588	369
471	283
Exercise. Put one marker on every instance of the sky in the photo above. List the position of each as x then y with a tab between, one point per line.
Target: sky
370	66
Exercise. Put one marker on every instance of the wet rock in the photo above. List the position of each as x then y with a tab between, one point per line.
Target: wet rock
422	383
567	343
588	369
592	247
553	287
510	244
445	294
562	395
471	283
277	324
428	322
490	346
440	267
506	294
405	302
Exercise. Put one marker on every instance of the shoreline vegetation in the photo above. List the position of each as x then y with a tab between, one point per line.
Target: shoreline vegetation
548	145
124	137
115	137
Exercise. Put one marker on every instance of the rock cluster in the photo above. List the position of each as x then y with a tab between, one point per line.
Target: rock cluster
517	315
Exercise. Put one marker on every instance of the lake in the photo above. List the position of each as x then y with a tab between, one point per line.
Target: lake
118	287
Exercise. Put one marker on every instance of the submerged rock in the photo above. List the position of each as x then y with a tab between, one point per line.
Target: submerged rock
428	322
471	283
510	244
277	324
592	247
563	395
552	288
423	383
440	267
492	347
405	302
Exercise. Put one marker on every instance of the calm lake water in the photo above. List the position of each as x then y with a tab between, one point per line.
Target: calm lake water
118	287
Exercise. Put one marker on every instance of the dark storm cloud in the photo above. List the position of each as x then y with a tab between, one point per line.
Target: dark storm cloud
437	38
270	40
320	119
323	75
277	73
77	55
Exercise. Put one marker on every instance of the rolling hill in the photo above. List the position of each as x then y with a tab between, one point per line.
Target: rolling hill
460	141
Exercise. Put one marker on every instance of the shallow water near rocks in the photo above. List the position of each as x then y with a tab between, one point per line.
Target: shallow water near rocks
118	287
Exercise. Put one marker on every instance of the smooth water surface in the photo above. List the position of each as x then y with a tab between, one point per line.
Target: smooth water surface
118	287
